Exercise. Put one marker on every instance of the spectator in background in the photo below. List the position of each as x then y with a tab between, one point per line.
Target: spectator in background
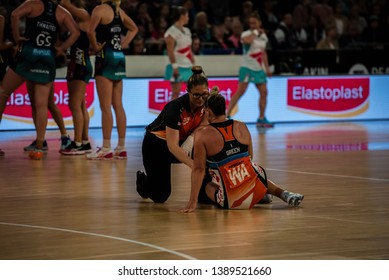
164	12
132	3
357	18
270	19
330	41
322	9
220	41
154	7
160	26
188	4
143	20
301	35
202	28
201	6
373	33
228	26
380	9
126	6
315	31
196	45
137	46
217	10
247	10
234	38
339	18
302	12
352	37
157	40
284	37
364	6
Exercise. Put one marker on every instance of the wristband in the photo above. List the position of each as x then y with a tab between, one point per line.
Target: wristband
255	32
174	65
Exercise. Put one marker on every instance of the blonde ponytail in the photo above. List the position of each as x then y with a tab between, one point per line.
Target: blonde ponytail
214	90
117	4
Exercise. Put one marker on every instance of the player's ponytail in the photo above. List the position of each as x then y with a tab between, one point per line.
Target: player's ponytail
117	5
216	102
214	90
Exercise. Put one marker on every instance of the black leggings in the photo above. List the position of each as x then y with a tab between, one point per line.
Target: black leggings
157	160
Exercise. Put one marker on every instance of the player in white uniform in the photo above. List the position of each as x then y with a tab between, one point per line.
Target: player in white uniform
178	44
254	67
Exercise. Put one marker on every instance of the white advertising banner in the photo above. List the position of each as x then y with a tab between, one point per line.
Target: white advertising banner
290	99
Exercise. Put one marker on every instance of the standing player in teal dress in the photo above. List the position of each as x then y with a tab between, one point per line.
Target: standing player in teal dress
178	40
254	68
35	61
104	33
78	74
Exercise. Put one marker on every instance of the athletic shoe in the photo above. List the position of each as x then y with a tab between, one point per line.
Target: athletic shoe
87	148
267	199
101	154
73	149
2	153
293	199
32	146
65	142
140	181
264	123
120	153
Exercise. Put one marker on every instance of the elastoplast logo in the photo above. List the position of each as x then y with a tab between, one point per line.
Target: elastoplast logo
160	92
335	97
19	104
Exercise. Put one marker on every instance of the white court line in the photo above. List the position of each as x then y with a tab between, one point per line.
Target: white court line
105	236
330	175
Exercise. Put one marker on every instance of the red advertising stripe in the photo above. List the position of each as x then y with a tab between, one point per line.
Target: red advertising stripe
19	104
329	94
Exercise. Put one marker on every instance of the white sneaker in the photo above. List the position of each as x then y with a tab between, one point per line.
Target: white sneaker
120	153
101	154
293	199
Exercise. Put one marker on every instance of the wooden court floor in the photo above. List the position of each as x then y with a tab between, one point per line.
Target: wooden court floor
66	207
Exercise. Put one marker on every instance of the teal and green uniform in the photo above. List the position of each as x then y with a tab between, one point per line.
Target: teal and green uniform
110	61
252	67
36	60
80	67
182	53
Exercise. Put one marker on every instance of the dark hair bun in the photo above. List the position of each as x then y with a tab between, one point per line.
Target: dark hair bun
197	69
